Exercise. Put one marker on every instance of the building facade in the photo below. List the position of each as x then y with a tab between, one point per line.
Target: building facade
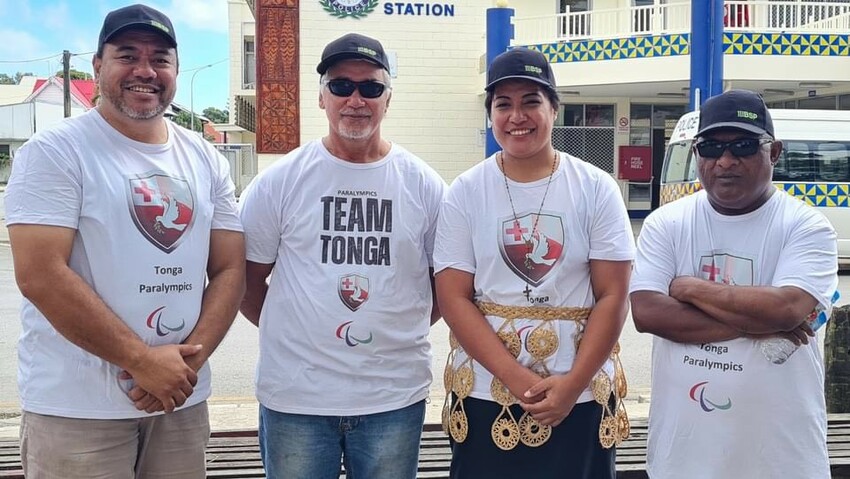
622	68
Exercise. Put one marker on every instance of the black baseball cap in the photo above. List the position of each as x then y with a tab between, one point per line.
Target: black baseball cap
737	109
521	63
353	46
136	16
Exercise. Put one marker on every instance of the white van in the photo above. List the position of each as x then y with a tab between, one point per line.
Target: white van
814	165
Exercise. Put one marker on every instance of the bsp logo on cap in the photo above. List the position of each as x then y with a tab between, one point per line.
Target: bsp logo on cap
748	115
534	69
367	51
162	27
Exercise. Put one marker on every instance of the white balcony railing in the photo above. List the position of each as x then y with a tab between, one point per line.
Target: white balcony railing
797	16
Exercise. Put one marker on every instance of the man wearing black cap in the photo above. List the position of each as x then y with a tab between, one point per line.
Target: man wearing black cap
730	280
344	228
129	252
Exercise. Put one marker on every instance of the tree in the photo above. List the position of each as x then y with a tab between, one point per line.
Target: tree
20	75
75	75
184	119
215	115
5	79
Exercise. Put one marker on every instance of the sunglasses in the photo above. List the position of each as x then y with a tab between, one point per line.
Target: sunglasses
740	148
367	89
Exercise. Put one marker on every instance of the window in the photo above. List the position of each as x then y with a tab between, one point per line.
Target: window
5	150
681	166
647	17
249	65
572	115
818	161
599	115
817	103
577	24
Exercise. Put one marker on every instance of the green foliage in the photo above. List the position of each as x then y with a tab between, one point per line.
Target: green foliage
5	160
215	115
5	79
75	75
184	119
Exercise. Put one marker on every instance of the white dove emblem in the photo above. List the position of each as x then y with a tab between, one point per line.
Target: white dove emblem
170	212
358	295
539	250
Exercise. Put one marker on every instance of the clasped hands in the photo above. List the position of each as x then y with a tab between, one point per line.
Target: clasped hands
164	377
548	400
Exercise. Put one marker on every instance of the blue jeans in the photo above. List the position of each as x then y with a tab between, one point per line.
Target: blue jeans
375	446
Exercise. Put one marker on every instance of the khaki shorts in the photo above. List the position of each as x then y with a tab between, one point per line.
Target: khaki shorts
163	446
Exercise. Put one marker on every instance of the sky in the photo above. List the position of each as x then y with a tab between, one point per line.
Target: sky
33	34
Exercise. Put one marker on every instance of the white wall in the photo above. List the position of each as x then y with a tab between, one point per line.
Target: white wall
21	121
240	23
437	107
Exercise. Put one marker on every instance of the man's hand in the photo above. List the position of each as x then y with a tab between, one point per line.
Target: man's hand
799	335
560	394
163	379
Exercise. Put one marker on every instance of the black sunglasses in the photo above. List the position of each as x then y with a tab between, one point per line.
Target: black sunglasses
367	89
740	147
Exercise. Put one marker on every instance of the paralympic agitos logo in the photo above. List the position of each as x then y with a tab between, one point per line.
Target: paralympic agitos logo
699	395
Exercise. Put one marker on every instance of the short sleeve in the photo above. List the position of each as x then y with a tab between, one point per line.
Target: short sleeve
453	243
655	264
611	236
809	257
44	188
226	215
260	215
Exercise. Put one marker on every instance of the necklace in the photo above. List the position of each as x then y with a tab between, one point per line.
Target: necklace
528	240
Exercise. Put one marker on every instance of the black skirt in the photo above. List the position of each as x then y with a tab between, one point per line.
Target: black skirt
572	452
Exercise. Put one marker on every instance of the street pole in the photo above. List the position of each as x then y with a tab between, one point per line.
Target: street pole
192	96
66	82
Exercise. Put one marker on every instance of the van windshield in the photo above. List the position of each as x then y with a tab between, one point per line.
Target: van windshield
680	164
813	161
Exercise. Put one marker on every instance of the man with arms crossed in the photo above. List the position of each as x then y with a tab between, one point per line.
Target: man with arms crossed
129	253
717	274
344	225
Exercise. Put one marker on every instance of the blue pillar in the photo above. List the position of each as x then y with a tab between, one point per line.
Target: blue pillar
716	74
706	50
500	32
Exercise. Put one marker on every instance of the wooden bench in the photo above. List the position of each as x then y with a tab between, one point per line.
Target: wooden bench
236	454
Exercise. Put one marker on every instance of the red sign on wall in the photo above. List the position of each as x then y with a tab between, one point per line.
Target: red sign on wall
636	163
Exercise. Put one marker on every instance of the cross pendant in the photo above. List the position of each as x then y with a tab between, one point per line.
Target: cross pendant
527	292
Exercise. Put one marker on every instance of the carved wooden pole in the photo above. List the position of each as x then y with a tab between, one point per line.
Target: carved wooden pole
278	118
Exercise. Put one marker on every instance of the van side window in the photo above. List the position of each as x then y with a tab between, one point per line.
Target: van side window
835	161
681	167
809	161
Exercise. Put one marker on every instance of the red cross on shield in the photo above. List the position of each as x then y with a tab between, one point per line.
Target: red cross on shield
162	207
353	290
532	251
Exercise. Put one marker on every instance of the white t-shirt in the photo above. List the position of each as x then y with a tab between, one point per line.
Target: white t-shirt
583	218
344	327
722	410
143	215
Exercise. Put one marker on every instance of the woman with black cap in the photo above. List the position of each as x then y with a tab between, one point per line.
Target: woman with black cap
533	254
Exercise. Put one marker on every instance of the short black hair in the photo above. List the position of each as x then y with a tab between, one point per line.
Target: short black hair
550	94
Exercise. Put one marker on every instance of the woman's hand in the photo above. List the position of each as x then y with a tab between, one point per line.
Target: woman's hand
559	392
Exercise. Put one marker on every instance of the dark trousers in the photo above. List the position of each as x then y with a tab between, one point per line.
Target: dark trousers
572	452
